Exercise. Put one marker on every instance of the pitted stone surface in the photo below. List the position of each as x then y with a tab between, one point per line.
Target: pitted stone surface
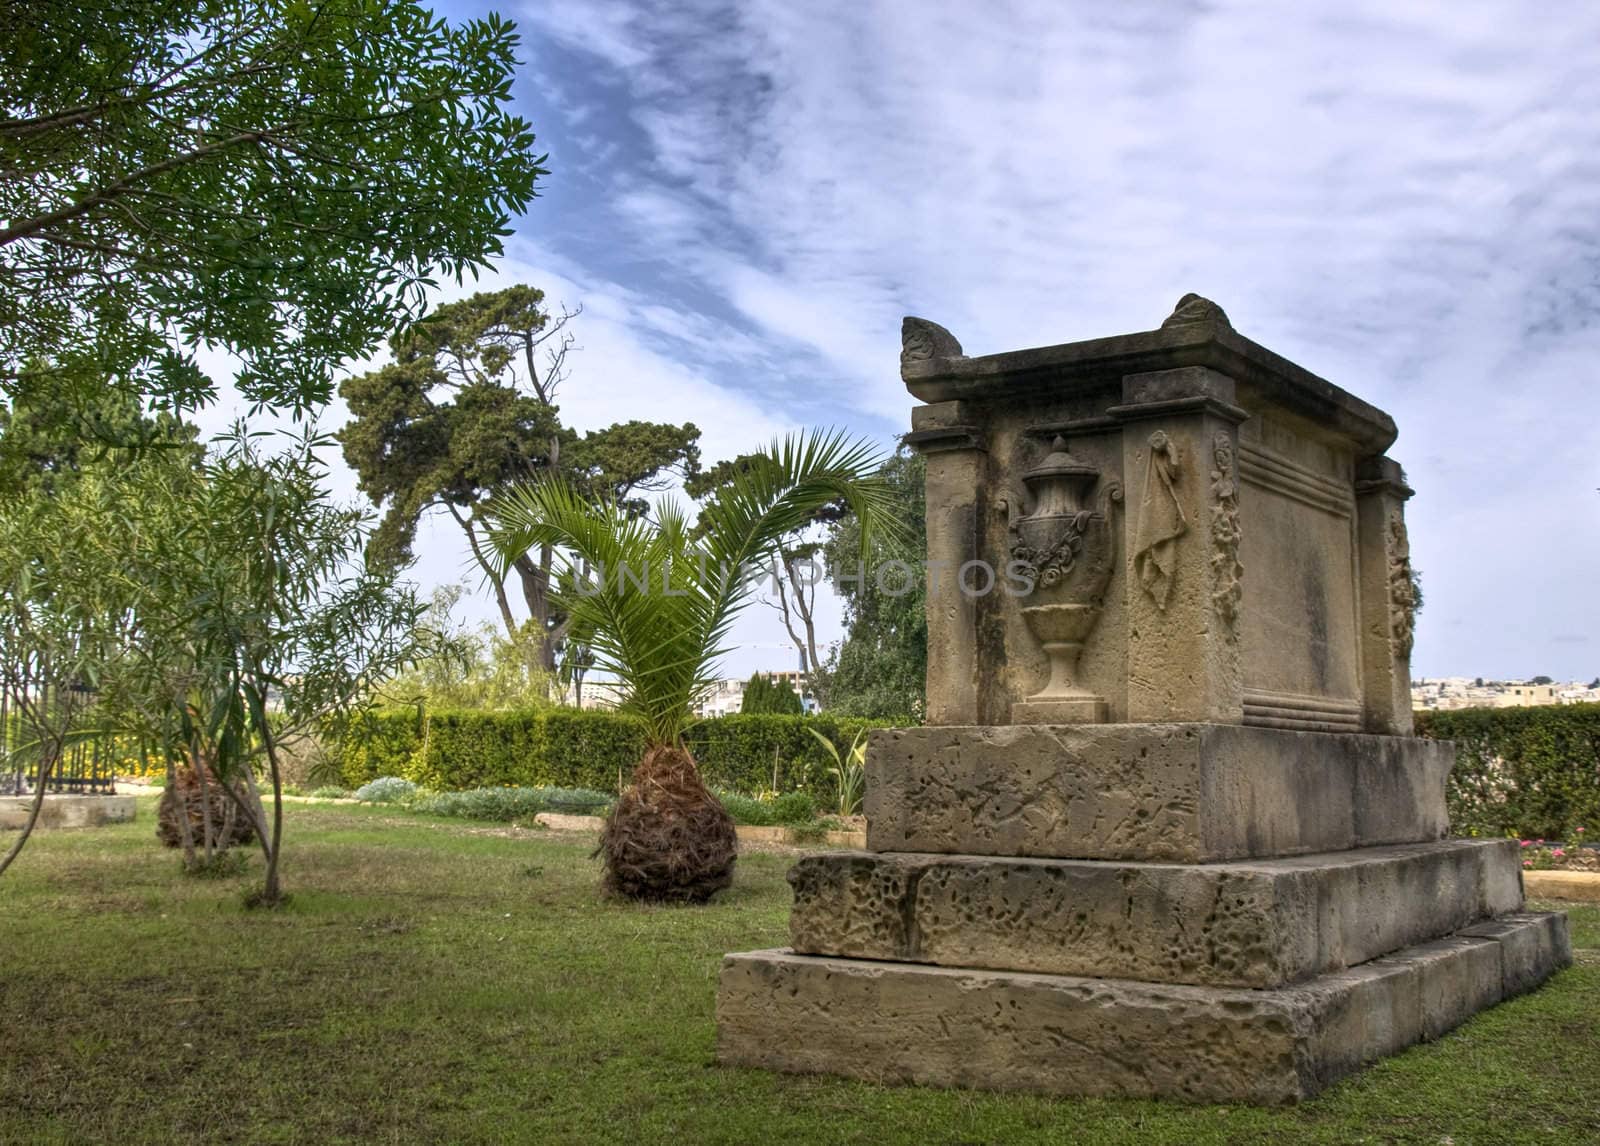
940	1026
1185	793
1246	924
1529	944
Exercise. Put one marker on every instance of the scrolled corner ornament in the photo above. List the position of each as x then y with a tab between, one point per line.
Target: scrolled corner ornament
923	341
1402	588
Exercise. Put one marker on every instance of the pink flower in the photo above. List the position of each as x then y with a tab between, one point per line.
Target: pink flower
1559	852
1527	863
1580	831
1540	840
1527	843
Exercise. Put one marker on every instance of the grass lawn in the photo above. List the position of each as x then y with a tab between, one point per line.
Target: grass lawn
435	981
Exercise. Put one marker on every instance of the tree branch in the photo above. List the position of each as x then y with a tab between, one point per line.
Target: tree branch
123	186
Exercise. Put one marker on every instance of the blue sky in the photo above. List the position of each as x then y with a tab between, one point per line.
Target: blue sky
1405	198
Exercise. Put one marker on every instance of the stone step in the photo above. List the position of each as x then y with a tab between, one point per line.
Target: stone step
1063	1035
1181	793
1259	923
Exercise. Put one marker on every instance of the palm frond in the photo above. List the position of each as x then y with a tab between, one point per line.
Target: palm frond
661	598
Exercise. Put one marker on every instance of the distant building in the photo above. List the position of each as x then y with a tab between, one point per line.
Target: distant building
597	694
726	696
1527	696
1447	693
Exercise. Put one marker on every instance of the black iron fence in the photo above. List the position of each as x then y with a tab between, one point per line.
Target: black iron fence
41	736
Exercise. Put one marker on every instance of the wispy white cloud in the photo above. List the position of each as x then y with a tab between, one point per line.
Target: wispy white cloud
1405	198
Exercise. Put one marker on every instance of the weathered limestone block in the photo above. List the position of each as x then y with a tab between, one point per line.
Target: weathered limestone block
66	811
1165	831
1527	943
1185	793
1064	1035
1249	924
1243	585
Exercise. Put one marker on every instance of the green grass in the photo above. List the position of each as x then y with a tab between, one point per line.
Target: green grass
440	981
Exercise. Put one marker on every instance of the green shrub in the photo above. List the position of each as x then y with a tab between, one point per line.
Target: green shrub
812	832
506	804
451	750
386	790
1533	773
331	793
577	801
794	808
376	743
747	809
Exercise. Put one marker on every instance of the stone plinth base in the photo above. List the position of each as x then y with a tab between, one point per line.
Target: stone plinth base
1253	923
1178	793
66	811
1063	1035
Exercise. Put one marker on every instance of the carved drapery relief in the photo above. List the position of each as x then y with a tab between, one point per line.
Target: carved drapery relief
1226	570
1402	589
1161	521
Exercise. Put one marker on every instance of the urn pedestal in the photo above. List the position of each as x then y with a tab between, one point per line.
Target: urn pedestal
1166	832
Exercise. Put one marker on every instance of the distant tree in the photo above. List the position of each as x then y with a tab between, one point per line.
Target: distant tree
466	410
769	694
754	697
880	668
1541	680
1478	682
218	612
47	434
472	666
277	178
793	566
1595	683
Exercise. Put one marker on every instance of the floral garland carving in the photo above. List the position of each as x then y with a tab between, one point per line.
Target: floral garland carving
1402	588
1226	571
1044	567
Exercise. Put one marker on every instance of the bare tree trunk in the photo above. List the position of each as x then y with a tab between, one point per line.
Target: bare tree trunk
181	803
33	814
250	804
498	583
207	831
272	893
536	592
805	599
806	646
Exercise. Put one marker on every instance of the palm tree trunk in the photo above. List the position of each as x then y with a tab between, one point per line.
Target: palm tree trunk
668	837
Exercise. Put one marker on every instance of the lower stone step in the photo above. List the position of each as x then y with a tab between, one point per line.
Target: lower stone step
1063	1035
1252	923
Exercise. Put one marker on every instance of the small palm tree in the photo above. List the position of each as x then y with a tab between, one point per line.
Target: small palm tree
654	600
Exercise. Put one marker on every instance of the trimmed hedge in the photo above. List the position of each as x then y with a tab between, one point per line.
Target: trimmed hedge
1533	773
452	750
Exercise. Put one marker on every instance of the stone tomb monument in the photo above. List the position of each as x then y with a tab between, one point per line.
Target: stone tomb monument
1167	830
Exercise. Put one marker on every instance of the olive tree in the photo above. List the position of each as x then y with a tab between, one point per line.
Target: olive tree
230	606
278	178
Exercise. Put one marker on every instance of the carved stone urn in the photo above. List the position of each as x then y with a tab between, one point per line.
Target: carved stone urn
1063	544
